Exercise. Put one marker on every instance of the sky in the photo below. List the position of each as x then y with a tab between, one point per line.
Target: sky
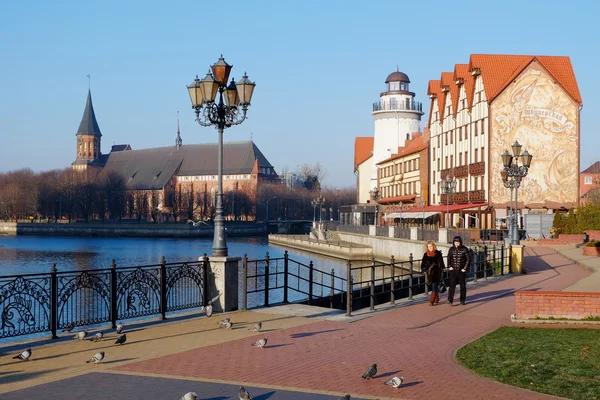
318	67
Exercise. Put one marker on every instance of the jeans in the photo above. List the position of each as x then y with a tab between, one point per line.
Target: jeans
460	278
435	287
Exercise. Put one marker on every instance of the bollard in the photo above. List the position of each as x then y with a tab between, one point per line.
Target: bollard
205	268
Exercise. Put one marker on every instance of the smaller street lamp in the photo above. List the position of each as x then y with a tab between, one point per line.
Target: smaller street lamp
512	175
318	202
448	187
274	197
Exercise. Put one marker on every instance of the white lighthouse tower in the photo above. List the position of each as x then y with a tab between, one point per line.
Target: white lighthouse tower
397	115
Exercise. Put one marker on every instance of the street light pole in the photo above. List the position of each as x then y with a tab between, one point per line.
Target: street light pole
274	197
512	175
448	187
223	114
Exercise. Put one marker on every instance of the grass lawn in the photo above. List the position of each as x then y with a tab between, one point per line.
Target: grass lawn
558	361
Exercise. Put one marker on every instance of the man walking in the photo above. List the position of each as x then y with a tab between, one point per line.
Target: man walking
459	260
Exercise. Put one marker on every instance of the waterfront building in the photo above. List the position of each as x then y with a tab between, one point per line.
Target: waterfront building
176	182
589	182
478	111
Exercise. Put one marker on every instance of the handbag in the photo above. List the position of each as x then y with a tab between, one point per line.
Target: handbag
442	287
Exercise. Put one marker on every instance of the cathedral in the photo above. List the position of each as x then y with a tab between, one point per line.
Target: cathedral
175	181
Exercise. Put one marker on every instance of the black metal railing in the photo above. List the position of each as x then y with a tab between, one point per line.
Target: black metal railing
271	281
283	280
37	303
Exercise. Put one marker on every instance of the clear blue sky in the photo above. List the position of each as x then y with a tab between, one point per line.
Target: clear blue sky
318	65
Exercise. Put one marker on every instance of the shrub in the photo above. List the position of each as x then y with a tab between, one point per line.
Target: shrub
594	243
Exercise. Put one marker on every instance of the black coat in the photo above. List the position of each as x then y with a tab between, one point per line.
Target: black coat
459	258
432	267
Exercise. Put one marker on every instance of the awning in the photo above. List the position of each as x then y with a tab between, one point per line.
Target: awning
411	215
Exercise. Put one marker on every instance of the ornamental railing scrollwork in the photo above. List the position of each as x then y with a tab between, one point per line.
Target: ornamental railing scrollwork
138	292
25	305
185	285
83	298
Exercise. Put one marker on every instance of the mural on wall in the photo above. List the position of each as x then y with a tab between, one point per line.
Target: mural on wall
538	113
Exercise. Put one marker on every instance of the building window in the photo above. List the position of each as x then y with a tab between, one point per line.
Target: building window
438	164
438	141
466	158
433	153
476	128
451	137
482	154
446	138
588	180
482	183
446	162
393	104
451	161
459	158
459	134
475	183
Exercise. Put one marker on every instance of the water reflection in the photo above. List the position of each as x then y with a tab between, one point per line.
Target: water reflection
35	254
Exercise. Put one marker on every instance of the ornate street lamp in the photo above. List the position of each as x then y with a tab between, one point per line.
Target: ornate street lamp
448	187
231	108
318	202
512	175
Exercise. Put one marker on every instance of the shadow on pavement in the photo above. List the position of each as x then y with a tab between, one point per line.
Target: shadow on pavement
307	334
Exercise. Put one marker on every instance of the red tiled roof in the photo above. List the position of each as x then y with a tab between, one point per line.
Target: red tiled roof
412	146
497	72
363	150
592	169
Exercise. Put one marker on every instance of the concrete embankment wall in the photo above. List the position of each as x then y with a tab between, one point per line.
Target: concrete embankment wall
345	251
384	248
115	229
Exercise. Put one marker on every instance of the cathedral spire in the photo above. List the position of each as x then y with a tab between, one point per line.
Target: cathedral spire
89	125
178	141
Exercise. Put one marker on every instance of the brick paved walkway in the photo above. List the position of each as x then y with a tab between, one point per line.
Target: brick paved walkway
416	341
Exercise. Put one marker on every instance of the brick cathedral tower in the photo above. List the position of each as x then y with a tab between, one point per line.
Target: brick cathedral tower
88	155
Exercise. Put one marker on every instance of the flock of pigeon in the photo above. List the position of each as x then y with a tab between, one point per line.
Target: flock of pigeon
225	323
83	335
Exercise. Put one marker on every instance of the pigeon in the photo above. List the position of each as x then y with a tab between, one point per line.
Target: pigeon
346	397
97	337
121	339
224	321
371	372
196	224
189	396
227	325
243	394
81	335
395	382
256	328
24	356
209	306
119	328
260	343
68	328
98	357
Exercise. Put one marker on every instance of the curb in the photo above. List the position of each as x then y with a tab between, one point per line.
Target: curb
513	318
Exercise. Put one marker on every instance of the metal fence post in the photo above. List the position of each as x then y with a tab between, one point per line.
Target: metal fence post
285	277
372	284
348	289
267	279
332	287
311	270
53	301
410	277
485	258
114	309
494	261
502	259
163	288
205	267
393	283
475	263
510	257
245	282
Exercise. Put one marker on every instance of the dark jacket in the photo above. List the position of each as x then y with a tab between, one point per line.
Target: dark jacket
432	267
459	258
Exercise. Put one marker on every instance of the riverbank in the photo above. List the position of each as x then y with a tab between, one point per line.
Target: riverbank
337	249
130	229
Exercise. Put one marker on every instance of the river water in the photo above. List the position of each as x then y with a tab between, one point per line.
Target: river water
35	254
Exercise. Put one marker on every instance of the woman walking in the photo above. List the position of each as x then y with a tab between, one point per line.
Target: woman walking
432	266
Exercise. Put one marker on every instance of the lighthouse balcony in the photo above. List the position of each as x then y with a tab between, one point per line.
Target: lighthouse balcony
398	106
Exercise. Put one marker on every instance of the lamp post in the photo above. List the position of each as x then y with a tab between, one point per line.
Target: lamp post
319	201
231	108
274	197
448	187
313	203
512	175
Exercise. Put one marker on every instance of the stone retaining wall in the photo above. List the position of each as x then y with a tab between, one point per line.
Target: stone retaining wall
568	239
342	250
572	305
